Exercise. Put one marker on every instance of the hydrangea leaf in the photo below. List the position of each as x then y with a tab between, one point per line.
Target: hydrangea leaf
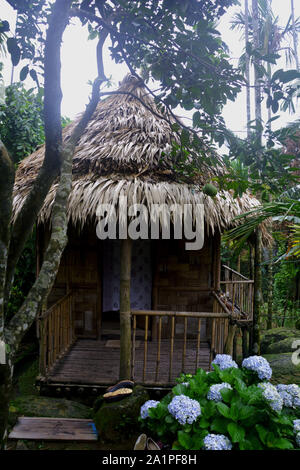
224	410
237	432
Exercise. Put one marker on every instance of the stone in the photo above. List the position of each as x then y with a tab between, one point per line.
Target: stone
31	405
278	340
21	445
282	346
117	421
285	370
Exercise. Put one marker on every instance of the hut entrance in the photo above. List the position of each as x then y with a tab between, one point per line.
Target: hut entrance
141	282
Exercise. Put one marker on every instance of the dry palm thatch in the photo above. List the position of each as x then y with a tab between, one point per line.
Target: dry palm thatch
125	151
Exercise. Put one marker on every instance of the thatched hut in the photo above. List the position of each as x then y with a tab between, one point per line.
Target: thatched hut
165	297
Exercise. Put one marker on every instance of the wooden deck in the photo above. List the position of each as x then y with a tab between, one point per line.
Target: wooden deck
96	362
54	429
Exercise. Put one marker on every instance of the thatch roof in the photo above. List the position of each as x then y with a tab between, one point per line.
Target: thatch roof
125	150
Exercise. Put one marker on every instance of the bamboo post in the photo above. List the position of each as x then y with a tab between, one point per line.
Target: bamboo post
158	348
145	346
172	347
125	315
244	342
133	347
234	346
198	344
184	345
228	349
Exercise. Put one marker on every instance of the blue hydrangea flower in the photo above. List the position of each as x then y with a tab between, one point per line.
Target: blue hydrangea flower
224	361
145	407
214	392
259	365
290	395
298	439
184	409
296	424
272	396
216	442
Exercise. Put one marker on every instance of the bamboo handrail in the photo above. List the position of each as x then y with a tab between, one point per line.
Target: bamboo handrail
239	291
235	272
218	317
166	313
250	281
54	306
56	333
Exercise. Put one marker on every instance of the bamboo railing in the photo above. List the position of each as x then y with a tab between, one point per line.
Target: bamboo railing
239	291
218	325
56	333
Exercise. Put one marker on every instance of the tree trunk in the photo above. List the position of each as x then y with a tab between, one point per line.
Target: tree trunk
257	294
125	312
248	103
257	85
244	342
270	289
5	393
295	35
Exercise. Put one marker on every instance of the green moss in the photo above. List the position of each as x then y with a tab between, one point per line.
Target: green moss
273	337
285	371
30	405
26	380
118	421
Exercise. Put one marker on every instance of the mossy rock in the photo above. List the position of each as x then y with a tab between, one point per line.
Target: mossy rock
283	346
30	405
119	420
284	370
278	340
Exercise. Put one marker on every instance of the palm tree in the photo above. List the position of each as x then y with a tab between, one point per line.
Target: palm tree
295	34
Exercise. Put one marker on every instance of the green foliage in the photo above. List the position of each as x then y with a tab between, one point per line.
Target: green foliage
175	42
21	121
243	415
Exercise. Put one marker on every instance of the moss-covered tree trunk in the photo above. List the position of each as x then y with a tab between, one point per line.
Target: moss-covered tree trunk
257	294
5	394
270	289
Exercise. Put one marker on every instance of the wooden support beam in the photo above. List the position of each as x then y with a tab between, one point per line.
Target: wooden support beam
125	315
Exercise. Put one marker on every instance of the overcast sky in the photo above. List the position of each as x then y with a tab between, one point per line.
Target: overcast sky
79	67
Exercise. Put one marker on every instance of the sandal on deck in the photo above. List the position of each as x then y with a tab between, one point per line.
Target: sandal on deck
117	394
121	384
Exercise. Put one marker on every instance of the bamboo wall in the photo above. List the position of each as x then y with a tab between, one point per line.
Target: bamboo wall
80	272
182	280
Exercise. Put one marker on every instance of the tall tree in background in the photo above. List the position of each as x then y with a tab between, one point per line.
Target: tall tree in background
247	69
295	35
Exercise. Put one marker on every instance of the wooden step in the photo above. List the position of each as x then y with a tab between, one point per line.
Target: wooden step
54	429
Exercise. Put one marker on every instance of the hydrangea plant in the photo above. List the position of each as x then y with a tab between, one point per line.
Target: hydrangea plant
226	408
272	396
214	392
290	395
224	361
146	406
184	409
259	365
216	442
